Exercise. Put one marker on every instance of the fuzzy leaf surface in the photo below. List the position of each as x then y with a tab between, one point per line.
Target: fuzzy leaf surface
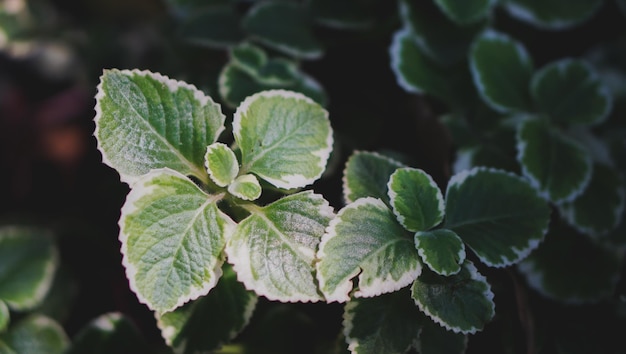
221	163
442	250
172	236
285	138
246	187
553	14
365	239
273	250
501	227
108	333
35	334
464	12
366	175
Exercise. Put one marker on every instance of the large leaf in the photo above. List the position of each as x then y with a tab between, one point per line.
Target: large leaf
28	261
556	165
35	334
553	14
216	26
366	175
285	138
365	240
434	339
497	214
389	323
172	236
416	199
205	324
273	250
108	333
146	121
570	92
464	12
442	250
502	69
462	303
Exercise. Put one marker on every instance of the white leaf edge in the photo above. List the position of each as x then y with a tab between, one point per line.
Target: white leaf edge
395	50
461	254
345	187
294	180
379	286
520	12
244	179
173	86
234	167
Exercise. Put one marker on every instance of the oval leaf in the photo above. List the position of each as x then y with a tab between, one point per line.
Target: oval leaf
556	165
366	175
462	303
442	250
501	69
416	199
570	92
28	262
172	236
285	138
365	240
553	14
273	250
246	187
464	12
36	334
146	121
221	163
497	214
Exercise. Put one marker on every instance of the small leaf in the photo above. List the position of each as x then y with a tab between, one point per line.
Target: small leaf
5	316
365	240
462	303
366	175
246	187
248	57
497	214
211	321
172	236
389	323
501	68
36	334
283	26
435	339
416	199
216	26
273	250
221	163
464	12
285	138
553	14
556	165
570	92
28	262
146	121
442	250
108	333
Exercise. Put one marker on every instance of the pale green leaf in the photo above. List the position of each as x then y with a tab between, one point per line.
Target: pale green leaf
246	187
462	303
5	316
221	163
553	14
216	26
570	92
146	121
28	262
365	239
556	165
442	250
464	12
285	138
416	199
497	214
501	68
36	334
211	321
366	175
434	339
389	323
172	236
108	333
273	250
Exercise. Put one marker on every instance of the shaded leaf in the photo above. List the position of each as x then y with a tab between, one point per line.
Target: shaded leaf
215	27
35	334
434	339
553	14
464	12
108	333
344	14
5	316
366	175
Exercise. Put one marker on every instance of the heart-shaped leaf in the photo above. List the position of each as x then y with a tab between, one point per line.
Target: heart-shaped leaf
366	175
442	250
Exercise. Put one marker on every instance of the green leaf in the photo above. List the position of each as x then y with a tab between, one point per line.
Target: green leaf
172	236
366	175
501	68
464	12
221	163
248	57
246	187
462	303
416	199
599	209
442	250
283	26
571	93
146	121
556	165
567	277
28	261
108	333
5	316
434	339
285	138
273	250
365	240
215	27
36	334
344	14
553	14
5	349
211	321
497	214
389	323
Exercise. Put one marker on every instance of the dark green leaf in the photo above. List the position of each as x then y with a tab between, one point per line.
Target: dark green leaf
215	26
442	250
366	175
553	14
108	333
466	11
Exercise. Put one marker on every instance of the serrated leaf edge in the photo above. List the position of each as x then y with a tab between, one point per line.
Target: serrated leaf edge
234	167
395	50
461	254
344	180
